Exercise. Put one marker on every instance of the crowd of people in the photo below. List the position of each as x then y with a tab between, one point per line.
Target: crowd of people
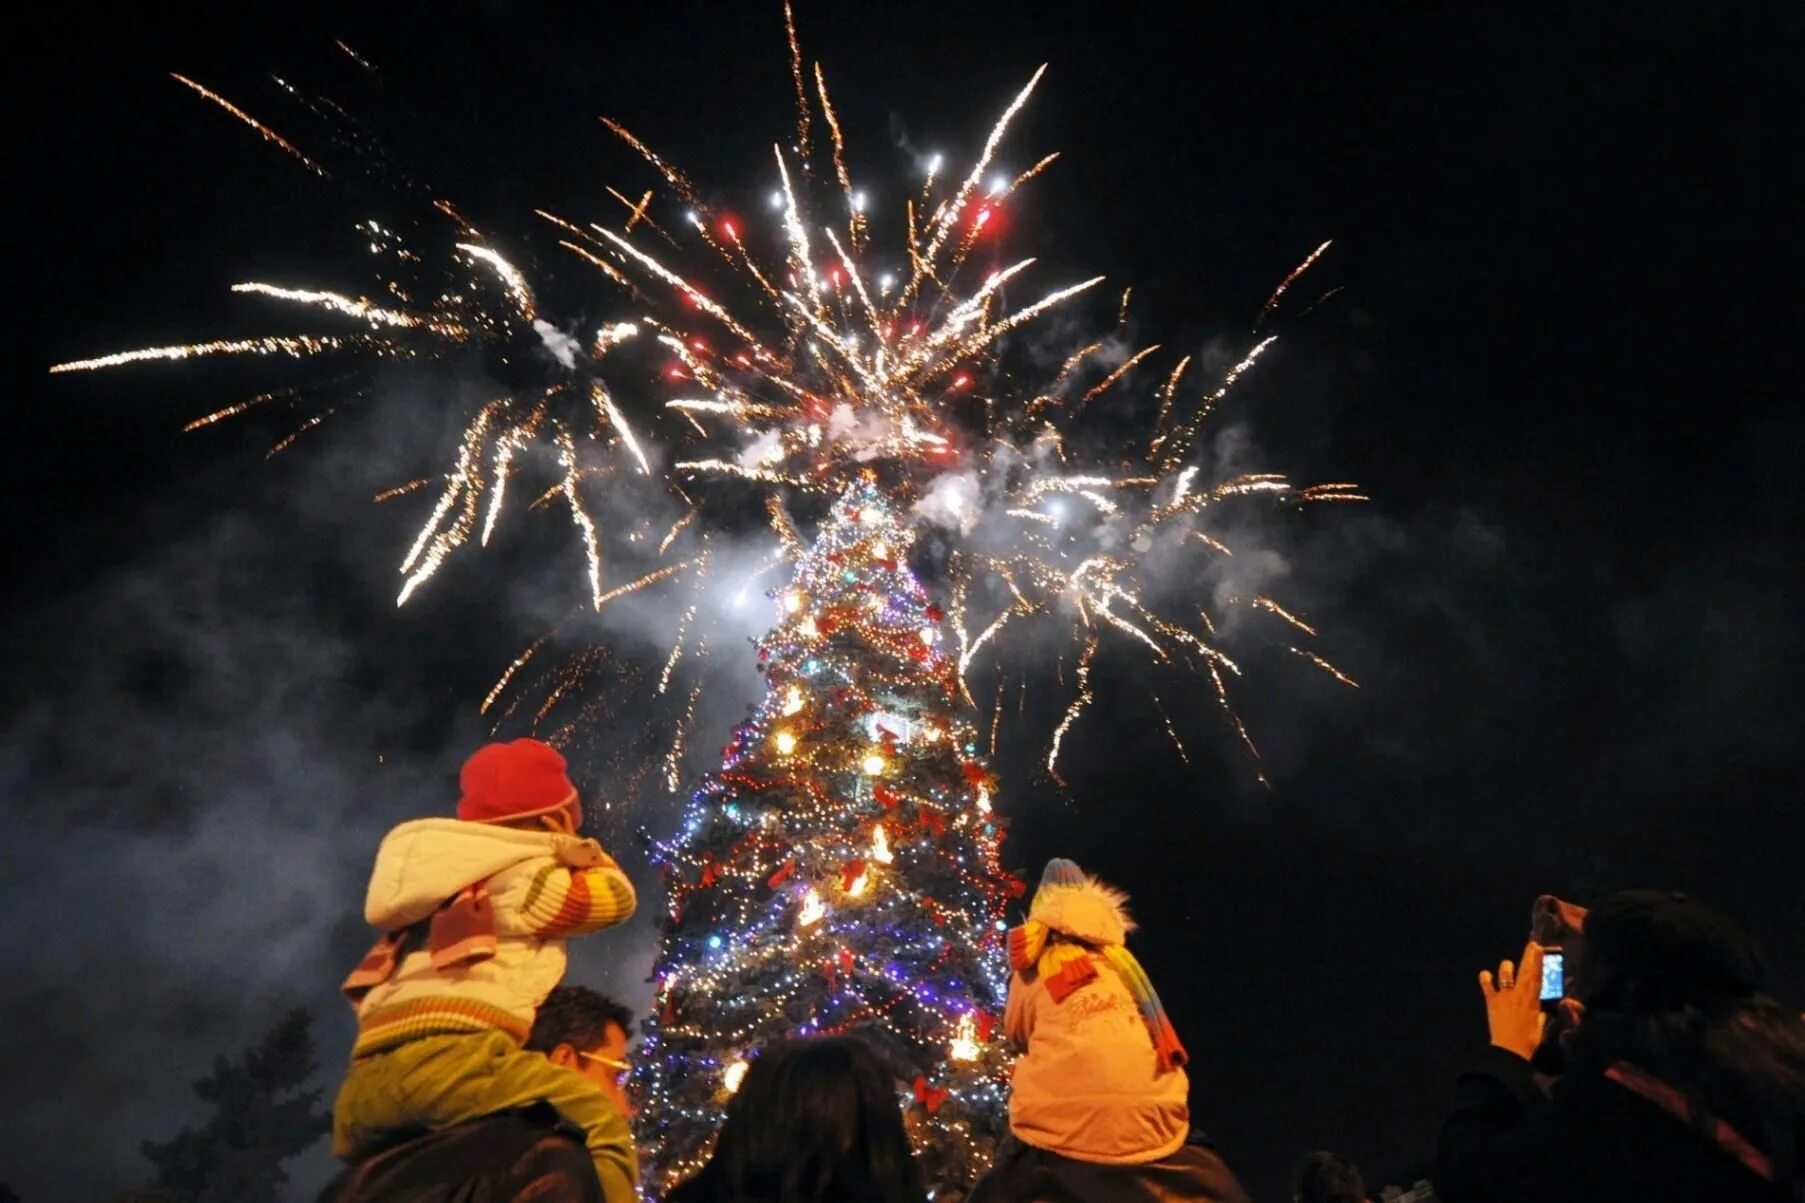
1656	1069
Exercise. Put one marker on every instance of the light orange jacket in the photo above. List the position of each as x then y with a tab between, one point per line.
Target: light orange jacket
1089	1085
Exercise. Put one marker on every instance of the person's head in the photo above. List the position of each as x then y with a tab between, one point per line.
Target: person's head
814	1120
1327	1178
520	784
1069	915
1675	988
587	1032
1652	950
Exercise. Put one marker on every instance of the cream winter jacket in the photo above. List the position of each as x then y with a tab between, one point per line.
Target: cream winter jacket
541	887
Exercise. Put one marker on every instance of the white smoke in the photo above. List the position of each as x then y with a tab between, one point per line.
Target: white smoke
867	435
767	448
952	501
563	347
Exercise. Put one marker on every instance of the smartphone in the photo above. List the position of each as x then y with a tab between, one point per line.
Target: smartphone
1554	977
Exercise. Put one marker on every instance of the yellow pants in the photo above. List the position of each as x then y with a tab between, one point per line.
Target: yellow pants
438	1081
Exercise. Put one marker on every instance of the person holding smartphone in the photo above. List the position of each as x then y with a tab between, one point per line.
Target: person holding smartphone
1674	1077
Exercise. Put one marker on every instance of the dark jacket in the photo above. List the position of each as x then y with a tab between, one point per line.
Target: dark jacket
1594	1140
497	1159
1022	1173
705	1187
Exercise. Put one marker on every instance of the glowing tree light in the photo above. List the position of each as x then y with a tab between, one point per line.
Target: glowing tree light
844	880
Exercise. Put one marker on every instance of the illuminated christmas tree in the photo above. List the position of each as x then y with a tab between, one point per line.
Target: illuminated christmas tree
839	874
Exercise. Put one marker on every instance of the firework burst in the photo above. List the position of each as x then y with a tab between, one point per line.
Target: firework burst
789	362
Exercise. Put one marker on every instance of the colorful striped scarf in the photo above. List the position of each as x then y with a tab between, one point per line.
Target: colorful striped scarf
1066	967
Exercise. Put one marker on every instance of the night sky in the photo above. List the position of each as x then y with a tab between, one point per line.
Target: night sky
1562	364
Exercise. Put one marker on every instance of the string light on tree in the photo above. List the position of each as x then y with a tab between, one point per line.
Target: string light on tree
840	872
964	1044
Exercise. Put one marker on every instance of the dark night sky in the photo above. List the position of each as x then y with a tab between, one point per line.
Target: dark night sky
1562	365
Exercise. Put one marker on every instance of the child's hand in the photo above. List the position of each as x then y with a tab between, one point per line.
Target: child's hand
582	854
578	853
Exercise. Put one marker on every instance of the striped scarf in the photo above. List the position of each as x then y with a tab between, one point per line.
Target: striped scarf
1064	967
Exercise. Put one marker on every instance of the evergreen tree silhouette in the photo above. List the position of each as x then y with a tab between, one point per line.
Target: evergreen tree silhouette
262	1117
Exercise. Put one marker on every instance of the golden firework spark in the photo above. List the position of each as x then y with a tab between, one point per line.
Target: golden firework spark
1319	662
1072	712
268	134
1309	260
1272	607
1126	366
295	347
358	307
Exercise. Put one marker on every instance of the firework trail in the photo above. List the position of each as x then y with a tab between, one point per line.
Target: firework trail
268	134
792	361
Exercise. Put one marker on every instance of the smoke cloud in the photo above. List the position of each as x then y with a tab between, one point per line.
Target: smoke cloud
951	501
563	347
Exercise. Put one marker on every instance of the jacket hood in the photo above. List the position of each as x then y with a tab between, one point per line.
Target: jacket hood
421	864
1089	910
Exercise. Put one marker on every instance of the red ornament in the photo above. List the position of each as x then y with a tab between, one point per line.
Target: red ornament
935	614
852	871
782	875
974	772
846	961
986	1023
928	1096
1017	887
886	795
710	874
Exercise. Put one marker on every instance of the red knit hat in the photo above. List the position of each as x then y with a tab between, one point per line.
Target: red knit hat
513	781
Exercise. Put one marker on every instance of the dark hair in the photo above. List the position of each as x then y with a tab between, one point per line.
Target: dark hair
578	1017
814	1120
1648	950
1674	988
1327	1178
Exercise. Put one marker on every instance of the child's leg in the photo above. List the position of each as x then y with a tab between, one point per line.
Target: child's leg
438	1081
359	1113
429	1083
523	1078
